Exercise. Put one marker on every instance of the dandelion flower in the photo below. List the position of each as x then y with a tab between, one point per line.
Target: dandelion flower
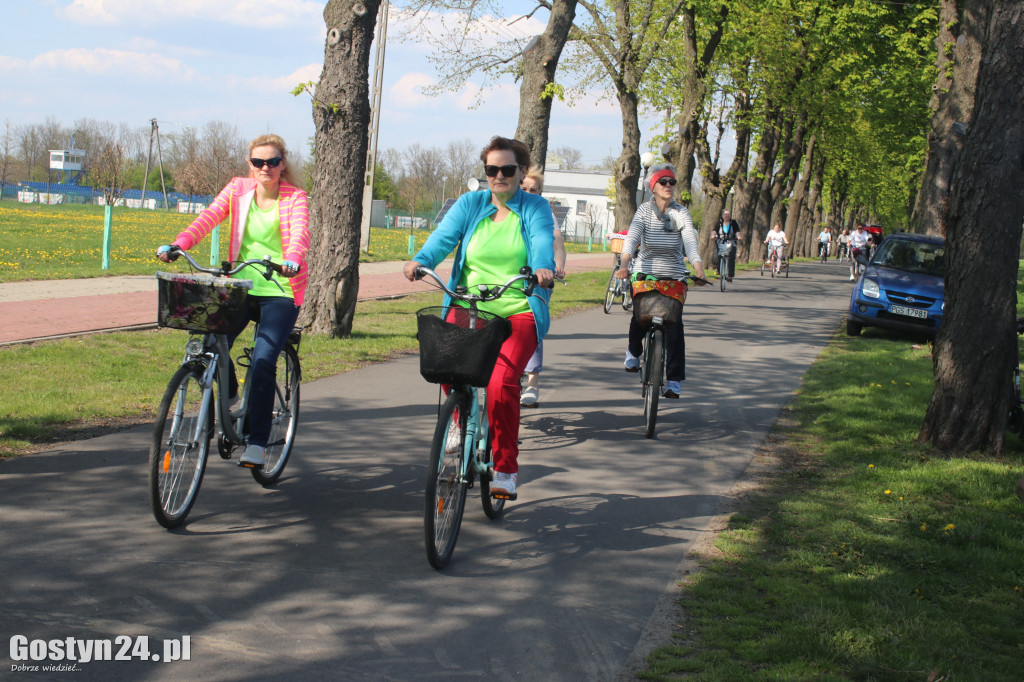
888	492
949	527
871	466
924	526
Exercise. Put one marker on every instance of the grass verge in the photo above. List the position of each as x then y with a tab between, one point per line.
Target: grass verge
864	555
118	379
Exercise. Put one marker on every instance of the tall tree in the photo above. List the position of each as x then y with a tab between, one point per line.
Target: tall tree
341	114
976	348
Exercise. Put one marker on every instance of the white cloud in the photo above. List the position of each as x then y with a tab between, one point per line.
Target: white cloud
408	91
261	13
103	61
11	63
280	84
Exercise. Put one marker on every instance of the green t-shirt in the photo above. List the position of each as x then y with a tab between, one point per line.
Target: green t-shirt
263	238
495	253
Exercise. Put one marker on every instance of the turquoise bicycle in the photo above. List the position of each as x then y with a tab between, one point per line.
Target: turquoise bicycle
458	348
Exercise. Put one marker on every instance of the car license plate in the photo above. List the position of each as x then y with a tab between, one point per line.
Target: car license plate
909	312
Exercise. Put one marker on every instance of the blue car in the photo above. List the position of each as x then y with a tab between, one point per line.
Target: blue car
902	287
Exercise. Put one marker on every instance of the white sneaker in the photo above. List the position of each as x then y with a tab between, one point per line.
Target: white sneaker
632	363
852	278
253	457
504	486
673	389
529	396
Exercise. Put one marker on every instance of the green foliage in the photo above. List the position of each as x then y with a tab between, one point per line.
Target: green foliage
384	185
553	90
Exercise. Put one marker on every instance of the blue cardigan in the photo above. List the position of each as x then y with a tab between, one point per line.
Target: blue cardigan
458	226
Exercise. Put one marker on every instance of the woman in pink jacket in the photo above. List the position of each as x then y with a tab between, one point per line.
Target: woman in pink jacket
268	214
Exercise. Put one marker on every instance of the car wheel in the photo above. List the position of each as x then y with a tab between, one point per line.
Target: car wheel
853	328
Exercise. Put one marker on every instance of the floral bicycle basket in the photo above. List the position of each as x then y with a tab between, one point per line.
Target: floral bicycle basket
201	303
658	298
459	345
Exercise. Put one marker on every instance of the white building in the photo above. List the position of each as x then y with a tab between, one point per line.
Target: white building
585	194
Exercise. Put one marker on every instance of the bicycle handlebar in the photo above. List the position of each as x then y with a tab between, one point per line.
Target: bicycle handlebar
486	293
225	267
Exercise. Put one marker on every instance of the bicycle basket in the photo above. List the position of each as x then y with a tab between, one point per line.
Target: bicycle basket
201	303
451	352
650	304
616	244
725	248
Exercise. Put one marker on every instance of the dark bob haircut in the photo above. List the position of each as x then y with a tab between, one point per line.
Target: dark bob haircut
498	143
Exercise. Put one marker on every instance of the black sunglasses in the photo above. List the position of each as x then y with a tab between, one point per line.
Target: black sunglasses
259	163
506	171
667	181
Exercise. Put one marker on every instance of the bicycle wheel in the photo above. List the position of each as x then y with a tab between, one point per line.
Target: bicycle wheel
723	269
493	507
627	295
787	267
285	420
762	268
176	461
445	489
775	265
656	374
609	294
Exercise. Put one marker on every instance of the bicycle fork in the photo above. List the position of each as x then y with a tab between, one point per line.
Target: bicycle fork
475	446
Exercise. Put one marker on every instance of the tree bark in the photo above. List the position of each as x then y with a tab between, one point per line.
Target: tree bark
952	103
341	114
799	196
976	349
539	65
748	189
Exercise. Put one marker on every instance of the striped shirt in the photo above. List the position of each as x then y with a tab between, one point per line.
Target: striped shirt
663	240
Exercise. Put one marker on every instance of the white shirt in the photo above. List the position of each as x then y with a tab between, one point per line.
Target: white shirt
824	237
858	239
776	238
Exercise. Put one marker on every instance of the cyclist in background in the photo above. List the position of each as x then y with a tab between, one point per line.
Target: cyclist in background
776	241
494	233
728	230
663	231
824	242
269	215
844	244
858	244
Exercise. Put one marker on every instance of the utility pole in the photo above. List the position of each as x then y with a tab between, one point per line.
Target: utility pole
149	158
371	151
160	160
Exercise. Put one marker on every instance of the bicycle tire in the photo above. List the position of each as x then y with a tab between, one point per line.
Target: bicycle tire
609	294
176	465
285	420
786	269
723	269
762	268
445	488
656	372
493	507
775	266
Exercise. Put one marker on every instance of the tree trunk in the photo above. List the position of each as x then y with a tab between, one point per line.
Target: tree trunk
748	189
798	199
627	168
539	65
683	148
341	114
951	103
976	349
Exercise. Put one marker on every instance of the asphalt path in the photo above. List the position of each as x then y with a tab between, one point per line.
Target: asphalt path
324	575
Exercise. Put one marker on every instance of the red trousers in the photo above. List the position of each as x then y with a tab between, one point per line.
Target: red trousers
503	392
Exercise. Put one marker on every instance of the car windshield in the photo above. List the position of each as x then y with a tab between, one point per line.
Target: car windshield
911	256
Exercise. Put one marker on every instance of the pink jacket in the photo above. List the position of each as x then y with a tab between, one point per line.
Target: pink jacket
234	202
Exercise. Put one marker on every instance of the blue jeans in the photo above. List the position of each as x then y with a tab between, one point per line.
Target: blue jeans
276	316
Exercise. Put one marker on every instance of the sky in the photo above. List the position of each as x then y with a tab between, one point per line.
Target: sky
187	62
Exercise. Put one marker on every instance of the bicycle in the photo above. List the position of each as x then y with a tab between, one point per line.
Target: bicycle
775	263
458	348
653	309
823	249
617	288
212	309
725	249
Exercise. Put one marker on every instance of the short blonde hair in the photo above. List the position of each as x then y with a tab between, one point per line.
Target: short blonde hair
288	175
538	177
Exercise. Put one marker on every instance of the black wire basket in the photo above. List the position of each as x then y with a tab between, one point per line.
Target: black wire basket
201	303
458	345
650	304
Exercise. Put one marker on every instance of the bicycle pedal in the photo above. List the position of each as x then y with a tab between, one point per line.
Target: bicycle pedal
504	496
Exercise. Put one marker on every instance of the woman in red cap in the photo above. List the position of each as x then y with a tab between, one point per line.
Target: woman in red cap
663	231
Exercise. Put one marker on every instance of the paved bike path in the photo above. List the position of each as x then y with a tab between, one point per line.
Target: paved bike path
324	576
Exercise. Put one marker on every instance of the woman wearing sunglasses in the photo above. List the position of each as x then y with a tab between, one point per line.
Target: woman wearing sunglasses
663	231
269	214
494	233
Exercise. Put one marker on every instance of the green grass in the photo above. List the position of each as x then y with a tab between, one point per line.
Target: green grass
120	377
66	241
865	556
